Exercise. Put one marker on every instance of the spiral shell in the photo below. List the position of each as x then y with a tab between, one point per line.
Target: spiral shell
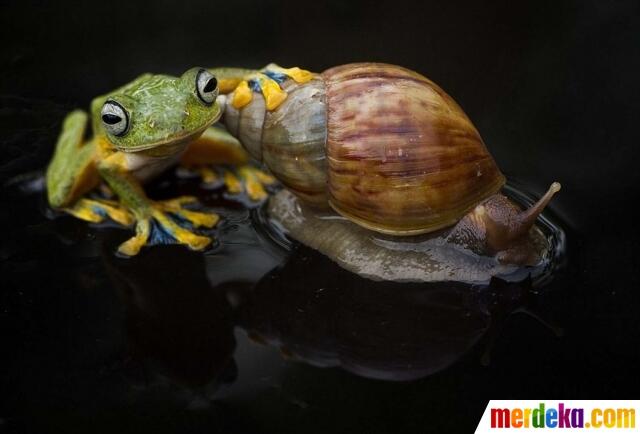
403	156
383	145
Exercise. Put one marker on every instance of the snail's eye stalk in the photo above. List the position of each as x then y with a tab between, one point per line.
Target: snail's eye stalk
503	229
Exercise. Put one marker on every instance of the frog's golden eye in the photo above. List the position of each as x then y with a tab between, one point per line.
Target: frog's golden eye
206	86
114	118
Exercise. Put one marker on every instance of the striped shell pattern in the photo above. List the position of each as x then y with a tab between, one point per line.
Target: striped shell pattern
382	145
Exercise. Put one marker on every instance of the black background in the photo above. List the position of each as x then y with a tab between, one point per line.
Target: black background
552	87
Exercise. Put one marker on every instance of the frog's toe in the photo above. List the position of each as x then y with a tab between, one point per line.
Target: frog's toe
168	231
262	176
173	223
269	82
195	218
95	211
232	183
177	202
132	246
210	178
255	181
169	222
249	180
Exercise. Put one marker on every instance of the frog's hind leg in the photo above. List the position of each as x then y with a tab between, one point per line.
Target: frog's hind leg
214	146
217	147
72	173
169	222
157	222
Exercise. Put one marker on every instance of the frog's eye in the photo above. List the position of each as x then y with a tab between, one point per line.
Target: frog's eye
206	87
115	118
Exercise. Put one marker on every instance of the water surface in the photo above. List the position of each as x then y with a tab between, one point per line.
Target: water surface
259	336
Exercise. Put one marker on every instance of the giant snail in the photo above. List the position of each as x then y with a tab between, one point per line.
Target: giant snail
388	150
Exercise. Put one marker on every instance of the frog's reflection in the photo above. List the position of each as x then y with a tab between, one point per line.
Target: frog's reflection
311	309
173	316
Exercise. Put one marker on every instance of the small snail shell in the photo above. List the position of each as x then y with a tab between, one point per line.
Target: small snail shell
382	145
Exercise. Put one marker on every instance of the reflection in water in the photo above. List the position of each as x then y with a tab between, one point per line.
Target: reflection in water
182	307
383	330
173	316
66	328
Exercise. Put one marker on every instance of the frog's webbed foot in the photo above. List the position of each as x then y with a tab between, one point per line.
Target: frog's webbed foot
269	82
248	180
169	222
219	159
245	183
96	210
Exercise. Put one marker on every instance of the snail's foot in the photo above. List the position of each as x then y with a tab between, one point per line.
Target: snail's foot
269	82
169	222
249	180
97	210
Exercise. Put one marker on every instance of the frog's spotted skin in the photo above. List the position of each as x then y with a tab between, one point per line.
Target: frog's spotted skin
139	130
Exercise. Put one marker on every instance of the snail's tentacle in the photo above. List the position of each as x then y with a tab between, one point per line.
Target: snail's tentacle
528	217
506	225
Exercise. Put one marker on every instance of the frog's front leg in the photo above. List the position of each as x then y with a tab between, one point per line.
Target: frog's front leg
218	147
268	81
157	222
72	173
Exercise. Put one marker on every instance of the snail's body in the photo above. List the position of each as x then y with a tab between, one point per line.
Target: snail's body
389	150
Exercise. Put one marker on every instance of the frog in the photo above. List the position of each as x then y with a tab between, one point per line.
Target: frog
139	131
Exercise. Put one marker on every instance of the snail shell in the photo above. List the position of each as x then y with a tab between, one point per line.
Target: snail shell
382	145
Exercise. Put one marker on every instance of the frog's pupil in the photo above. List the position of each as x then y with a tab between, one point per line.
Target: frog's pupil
111	119
211	85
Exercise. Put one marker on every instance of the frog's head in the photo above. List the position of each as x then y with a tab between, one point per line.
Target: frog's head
160	112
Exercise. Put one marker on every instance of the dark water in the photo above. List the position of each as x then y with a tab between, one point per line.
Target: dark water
91	343
256	336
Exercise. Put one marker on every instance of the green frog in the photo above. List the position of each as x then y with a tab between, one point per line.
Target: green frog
140	130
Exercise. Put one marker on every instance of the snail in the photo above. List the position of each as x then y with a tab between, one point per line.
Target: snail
387	150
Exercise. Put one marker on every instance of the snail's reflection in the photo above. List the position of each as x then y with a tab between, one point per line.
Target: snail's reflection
311	309
320	314
174	318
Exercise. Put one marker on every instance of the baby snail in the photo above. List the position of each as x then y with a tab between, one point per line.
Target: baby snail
396	157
